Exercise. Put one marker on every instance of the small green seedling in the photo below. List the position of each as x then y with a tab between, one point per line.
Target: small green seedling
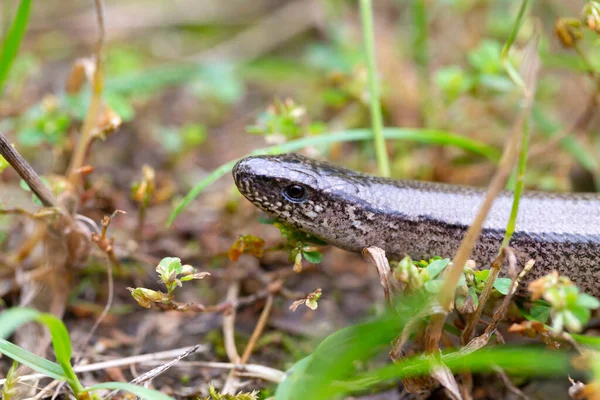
172	274
569	307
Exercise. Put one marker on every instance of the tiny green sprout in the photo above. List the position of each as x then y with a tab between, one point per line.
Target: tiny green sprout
421	274
309	301
172	274
408	273
502	285
569	307
309	253
169	270
142	191
300	245
9	388
145	297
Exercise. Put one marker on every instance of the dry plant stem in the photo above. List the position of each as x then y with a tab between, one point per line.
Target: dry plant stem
509	158
26	173
45	391
260	326
498	182
434	329
229	324
479	342
231	382
510	386
121	362
483	298
164	367
96	101
376	256
249	370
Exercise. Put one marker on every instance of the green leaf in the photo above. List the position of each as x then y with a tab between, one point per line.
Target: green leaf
540	311
437	266
313	257
12	41
587	301
139	391
473	294
31	360
61	342
503	285
522	361
592	342
13	318
582	314
434	286
481	276
292	375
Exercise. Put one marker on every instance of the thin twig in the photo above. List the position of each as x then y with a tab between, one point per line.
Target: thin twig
229	324
27	173
509	157
231	382
260	326
250	370
153	373
473	319
120	362
91	118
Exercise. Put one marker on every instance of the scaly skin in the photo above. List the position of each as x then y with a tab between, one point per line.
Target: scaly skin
352	211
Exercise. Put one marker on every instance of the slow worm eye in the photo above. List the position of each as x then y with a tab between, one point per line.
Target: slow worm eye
295	193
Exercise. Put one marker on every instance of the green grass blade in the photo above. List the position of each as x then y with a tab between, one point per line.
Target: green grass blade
425	136
61	342
12	41
330	370
13	318
139	391
592	342
383	162
31	360
524	361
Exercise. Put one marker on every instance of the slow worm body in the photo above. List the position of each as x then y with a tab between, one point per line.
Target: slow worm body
352	210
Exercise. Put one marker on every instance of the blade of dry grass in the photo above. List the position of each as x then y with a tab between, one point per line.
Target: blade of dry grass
507	163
